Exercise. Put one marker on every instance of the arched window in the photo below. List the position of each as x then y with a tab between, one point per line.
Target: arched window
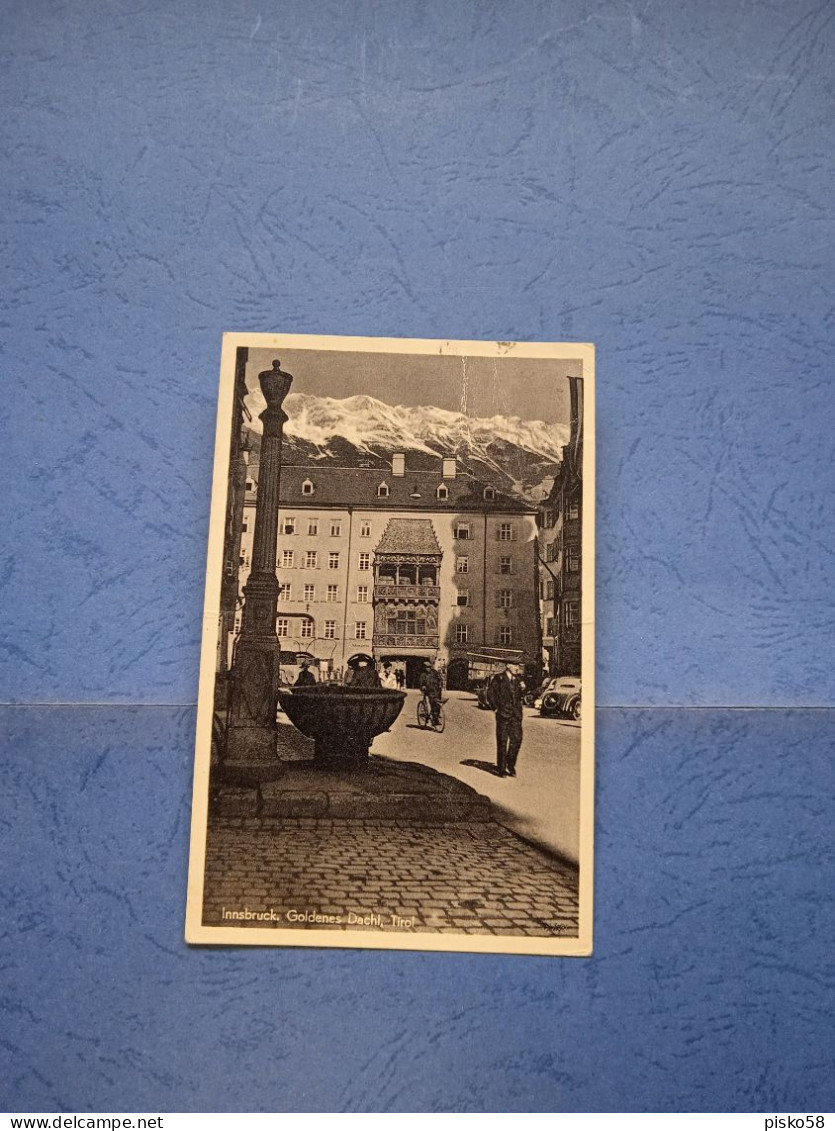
443	491
383	491
489	494
307	487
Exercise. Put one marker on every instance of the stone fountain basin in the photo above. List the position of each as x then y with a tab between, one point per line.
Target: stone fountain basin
343	721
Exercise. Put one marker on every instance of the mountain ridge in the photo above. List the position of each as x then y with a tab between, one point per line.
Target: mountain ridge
514	455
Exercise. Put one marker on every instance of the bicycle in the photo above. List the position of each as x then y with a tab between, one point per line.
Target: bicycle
424	715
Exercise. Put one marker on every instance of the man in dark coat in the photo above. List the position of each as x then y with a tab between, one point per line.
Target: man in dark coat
305	677
430	685
505	693
365	674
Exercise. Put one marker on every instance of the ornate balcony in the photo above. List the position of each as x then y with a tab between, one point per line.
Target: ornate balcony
389	591
388	640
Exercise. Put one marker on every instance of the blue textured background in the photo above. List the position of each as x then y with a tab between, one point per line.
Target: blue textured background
652	177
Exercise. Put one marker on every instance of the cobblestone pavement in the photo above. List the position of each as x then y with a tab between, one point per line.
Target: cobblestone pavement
475	878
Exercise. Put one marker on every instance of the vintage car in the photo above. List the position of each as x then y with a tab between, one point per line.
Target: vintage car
562	696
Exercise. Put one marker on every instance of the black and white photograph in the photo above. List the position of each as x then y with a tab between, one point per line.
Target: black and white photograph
395	721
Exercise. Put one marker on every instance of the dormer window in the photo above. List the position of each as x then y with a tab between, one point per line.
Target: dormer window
383	491
307	487
490	494
443	491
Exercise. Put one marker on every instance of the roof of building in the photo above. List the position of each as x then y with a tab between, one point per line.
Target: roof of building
409	536
416	490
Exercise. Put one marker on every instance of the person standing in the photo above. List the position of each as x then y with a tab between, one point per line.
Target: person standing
388	679
305	678
506	691
365	674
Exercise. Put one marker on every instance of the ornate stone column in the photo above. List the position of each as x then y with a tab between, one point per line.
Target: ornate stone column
251	735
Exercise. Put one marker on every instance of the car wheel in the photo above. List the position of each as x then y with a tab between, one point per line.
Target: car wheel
549	705
576	710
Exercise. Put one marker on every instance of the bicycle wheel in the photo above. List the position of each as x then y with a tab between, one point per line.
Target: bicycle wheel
422	714
441	723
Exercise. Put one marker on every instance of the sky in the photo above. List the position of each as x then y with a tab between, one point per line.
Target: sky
532	389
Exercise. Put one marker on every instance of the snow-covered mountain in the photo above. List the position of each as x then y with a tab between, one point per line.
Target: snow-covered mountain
514	455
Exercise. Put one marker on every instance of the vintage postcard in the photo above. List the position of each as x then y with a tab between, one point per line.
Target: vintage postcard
395	718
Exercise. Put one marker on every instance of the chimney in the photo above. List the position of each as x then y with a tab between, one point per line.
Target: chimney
398	465
449	468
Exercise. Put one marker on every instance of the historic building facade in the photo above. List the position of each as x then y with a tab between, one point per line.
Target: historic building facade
560	552
402	565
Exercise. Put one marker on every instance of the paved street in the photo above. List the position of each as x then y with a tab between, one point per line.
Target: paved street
476	878
541	803
491	874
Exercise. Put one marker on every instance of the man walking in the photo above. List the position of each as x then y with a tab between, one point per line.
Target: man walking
506	691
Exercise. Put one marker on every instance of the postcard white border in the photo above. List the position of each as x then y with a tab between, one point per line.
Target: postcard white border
196	931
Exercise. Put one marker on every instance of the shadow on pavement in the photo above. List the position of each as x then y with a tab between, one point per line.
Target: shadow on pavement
487	767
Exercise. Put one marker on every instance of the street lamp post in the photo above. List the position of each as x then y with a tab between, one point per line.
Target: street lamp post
251	734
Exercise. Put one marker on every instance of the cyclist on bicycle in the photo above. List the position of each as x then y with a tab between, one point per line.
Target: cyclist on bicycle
430	685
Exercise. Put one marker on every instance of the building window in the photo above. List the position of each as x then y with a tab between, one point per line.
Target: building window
462	633
549	590
359	630
383	491
333	592
505	598
365	529
330	630
505	634
462	565
287	559
573	560
313	527
506	532
573	510
463	597
572	614
250	486
282	626
288	526
506	565
307	487
406	622
244	524
333	559
336	529
284	592
310	593
551	627
311	559
462	531
443	491
362	594
489	494
365	561
307	630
